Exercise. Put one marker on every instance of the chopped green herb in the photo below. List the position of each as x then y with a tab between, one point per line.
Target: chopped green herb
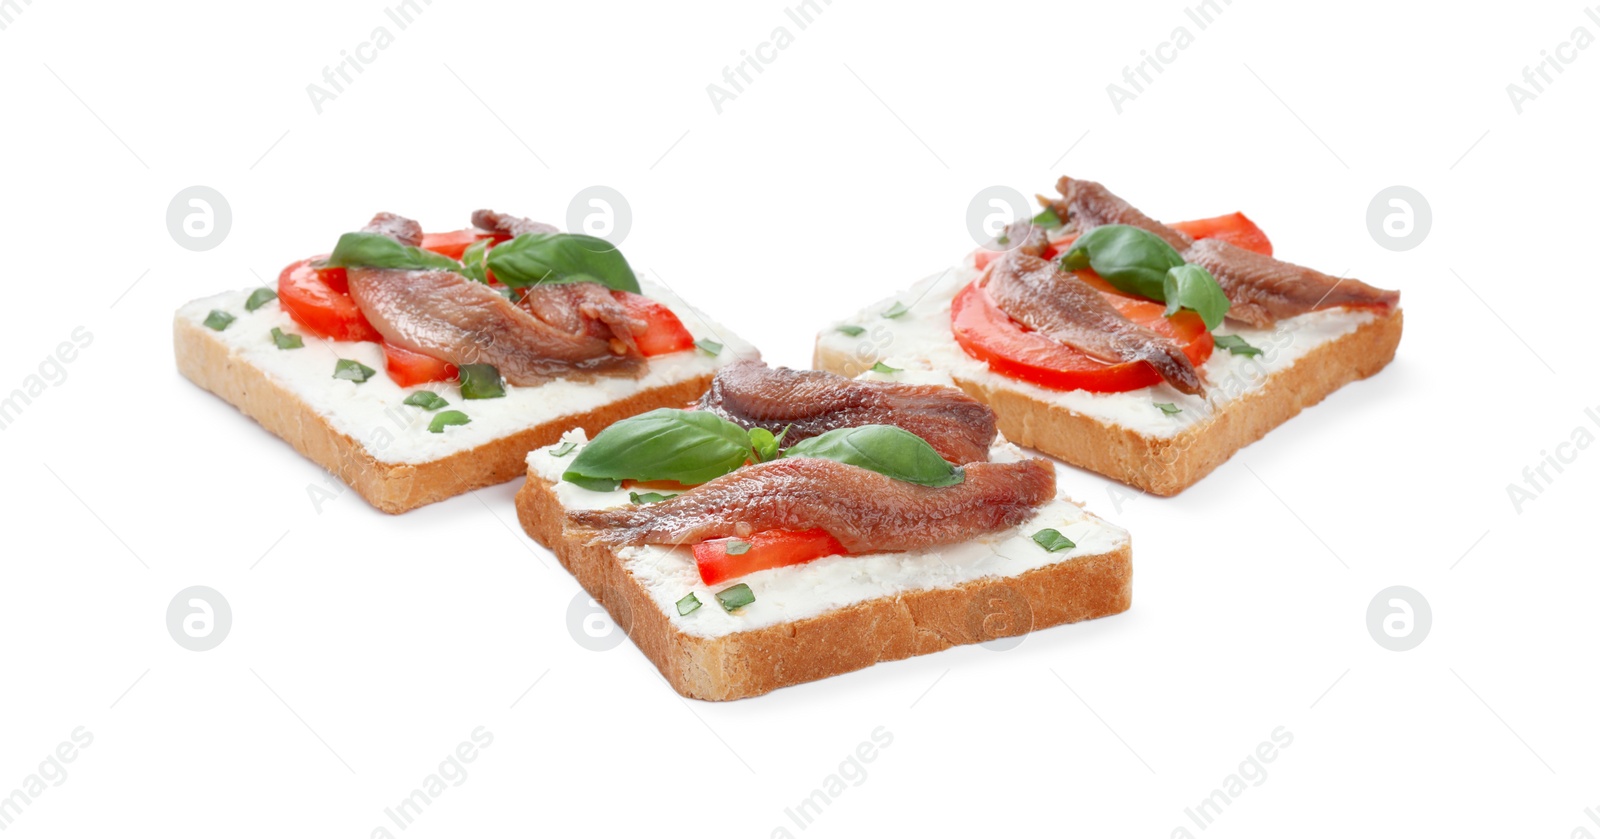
564	449
1168	408
736	547
354	371
688	604
852	330
512	294
1003	239
648	497
427	400
594	484
481	381
896	310
765	444
286	340
880	367
218	319
444	418
708	346
1051	540
733	598
1235	345
1047	219
258	298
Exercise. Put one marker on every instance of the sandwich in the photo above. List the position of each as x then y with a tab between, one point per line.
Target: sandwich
1147	352
416	367
795	525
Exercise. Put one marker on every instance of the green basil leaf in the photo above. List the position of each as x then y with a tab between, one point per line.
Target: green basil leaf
595	484
667	444
446	418
1051	540
426	400
258	298
708	346
534	258
896	310
1047	219
852	330
472	265
765	445
286	340
733	597
564	449
880	367
371	250
480	381
218	319
885	449
688	604
1193	287
1168	408
1235	345
1133	260
736	547
352	370
648	497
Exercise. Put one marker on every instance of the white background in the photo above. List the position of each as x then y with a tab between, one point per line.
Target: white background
365	647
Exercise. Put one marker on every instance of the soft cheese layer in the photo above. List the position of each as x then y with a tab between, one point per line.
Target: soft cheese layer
373	413
823	585
922	338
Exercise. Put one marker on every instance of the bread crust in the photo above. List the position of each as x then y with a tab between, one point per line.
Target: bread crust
1167	466
206	360
757	661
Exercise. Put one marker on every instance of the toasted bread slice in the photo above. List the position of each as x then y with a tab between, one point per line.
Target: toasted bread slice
365	434
836	614
1128	436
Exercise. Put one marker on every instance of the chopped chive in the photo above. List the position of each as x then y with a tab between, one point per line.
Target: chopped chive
286	340
880	367
481	381
852	330
594	484
1235	345
737	547
896	310
1051	540
1168	408
733	598
354	371
708	346
258	298
218	319
426	400
688	604
564	449
648	497
444	418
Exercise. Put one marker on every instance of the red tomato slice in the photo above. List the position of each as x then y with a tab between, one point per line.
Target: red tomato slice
316	298
988	334
1234	229
768	549
409	368
665	332
454	243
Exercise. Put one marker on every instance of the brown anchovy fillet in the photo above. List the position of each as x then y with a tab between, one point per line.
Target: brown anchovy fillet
864	510
587	309
1262	289
450	317
1053	302
399	228
811	402
508	225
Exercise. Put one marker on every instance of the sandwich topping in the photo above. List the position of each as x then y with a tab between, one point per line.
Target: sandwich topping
803	404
